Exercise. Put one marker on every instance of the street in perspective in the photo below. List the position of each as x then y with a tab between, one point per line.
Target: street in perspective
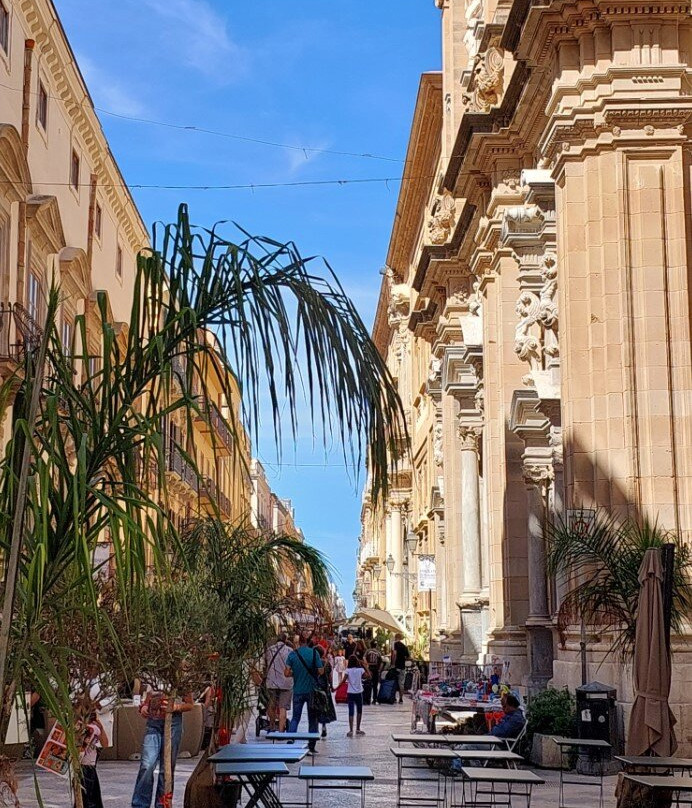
345	395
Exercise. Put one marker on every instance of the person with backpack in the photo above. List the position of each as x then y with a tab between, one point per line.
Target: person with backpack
373	659
305	666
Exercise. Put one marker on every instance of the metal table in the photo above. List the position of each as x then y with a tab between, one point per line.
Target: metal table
654	765
258	753
287	737
677	785
255	778
595	748
414	759
427	739
348	778
518	783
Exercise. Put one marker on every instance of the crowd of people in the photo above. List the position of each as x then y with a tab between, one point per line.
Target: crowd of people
303	674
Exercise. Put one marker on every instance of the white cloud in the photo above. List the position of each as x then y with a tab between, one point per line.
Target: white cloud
108	93
200	35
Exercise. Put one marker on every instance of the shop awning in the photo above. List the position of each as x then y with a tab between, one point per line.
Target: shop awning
379	618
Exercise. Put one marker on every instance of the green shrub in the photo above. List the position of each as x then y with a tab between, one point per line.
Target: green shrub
551	712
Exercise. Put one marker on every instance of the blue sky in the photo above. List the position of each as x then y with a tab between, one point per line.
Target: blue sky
330	74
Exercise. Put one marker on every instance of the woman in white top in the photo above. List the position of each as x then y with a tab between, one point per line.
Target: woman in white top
354	675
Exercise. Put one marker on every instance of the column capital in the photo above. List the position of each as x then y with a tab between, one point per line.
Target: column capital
469	435
536	474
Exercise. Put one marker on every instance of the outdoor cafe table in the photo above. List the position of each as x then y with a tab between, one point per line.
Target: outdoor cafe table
518	782
289	737
595	748
658	783
654	765
429	739
258	753
256	778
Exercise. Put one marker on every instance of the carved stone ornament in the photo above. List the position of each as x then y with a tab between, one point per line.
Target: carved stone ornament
475	298
537	474
519	217
434	369
438	453
442	218
487	82
399	303
469	436
532	344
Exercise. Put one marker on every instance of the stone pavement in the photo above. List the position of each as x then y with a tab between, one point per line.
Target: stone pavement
117	778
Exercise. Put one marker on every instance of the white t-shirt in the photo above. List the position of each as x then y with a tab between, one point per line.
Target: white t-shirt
354	677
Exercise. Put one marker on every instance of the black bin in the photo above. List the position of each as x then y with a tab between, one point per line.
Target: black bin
596	720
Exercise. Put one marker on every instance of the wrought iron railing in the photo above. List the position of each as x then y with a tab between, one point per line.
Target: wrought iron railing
19	332
176	463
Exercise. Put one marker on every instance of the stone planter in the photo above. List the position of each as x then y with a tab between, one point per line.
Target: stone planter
545	753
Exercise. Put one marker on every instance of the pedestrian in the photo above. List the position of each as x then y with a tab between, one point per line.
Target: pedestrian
279	686
328	715
93	738
154	709
360	650
340	663
207	699
305	666
349	646
400	654
373	659
354	675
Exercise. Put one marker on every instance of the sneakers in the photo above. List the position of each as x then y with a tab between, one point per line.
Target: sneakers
324	732
349	734
360	732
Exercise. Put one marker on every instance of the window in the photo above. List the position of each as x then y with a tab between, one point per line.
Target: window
74	170
33	296
4	27
94	365
119	263
67	332
98	220
42	106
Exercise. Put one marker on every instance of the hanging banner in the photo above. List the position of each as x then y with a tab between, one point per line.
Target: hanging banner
427	574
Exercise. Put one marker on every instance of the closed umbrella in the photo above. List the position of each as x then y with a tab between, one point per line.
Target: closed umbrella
651	723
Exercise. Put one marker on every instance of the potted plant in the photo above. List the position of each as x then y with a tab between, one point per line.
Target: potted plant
551	712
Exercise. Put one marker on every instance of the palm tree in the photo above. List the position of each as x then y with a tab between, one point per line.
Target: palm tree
600	564
89	429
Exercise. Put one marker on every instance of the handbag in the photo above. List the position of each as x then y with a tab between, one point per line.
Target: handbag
319	700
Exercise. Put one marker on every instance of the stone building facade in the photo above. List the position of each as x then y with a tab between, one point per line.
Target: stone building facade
535	309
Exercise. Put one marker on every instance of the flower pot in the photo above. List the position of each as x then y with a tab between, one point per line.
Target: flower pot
545	753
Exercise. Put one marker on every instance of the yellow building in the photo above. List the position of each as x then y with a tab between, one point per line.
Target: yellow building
536	313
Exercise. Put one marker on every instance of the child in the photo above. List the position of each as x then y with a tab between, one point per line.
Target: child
95	737
354	675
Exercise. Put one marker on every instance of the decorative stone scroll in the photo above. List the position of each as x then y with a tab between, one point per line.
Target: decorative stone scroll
536	332
442	219
487	83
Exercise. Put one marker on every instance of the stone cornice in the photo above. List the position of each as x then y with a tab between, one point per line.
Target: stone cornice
58	60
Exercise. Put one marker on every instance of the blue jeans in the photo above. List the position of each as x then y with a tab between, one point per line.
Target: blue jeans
299	700
152	755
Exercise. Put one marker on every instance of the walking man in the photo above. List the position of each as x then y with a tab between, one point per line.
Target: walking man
305	666
279	686
373	659
400	653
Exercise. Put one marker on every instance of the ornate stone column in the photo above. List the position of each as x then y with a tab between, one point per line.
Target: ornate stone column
396	605
471	510
537	477
388	579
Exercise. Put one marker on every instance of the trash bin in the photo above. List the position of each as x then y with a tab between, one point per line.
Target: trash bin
596	720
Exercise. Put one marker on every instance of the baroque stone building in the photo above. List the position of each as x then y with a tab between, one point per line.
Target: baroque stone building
535	310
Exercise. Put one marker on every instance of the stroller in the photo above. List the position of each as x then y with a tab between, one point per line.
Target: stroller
262	720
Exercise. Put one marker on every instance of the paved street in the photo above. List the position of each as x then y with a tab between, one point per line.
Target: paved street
372	750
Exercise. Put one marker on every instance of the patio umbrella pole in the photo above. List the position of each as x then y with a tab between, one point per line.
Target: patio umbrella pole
668	561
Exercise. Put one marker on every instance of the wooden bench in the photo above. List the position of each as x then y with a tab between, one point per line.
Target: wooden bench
255	778
504	785
335	778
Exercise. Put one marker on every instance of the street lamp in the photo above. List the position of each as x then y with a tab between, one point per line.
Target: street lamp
411	541
377	571
389	563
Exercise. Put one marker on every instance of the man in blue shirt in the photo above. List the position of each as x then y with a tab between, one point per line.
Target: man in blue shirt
513	721
304	665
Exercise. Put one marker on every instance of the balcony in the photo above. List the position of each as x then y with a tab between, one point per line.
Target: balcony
210	420
211	495
180	473
19	333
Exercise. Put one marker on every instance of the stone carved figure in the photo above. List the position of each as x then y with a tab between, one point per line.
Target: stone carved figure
434	369
475	298
548	313
541	310
399	303
442	218
487	82
526	345
438	452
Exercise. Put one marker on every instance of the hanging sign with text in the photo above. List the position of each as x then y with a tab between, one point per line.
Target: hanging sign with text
427	574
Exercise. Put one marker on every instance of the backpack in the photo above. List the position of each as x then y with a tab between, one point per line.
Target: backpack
387	692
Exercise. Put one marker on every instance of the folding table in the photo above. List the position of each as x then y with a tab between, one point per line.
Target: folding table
655	765
335	778
428	739
258	753
513	779
677	785
595	748
414	759
255	778
287	737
